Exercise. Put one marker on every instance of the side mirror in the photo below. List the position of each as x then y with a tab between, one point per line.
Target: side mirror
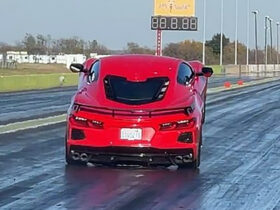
206	71
77	67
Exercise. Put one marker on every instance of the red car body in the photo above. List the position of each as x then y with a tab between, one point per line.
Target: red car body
137	108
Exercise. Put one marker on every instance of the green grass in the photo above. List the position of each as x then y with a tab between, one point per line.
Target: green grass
27	69
35	76
217	69
33	82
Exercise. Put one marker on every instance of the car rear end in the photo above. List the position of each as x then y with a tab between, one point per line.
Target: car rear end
103	135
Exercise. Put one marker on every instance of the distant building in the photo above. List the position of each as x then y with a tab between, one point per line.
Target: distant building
18	56
44	59
72	58
68	59
23	57
53	59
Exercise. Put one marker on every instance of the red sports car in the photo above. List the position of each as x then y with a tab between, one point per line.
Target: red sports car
137	109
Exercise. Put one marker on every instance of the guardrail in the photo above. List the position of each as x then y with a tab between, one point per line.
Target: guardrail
252	70
8	64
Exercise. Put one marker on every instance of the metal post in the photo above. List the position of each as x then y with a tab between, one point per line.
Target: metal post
256	40
248	31
271	41
236	31
256	31
204	31
222	23
277	42
159	43
265	41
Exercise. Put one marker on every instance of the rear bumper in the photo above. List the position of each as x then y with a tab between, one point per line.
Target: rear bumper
130	155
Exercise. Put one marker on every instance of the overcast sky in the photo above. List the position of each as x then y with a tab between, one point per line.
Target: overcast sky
116	22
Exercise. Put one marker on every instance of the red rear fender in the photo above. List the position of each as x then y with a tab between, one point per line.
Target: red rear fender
196	66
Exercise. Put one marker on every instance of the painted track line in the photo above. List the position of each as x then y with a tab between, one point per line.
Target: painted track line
29	124
247	84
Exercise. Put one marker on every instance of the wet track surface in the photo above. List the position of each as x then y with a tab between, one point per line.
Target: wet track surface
34	104
240	164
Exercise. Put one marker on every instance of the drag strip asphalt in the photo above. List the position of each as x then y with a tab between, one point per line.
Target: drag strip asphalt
28	105
240	165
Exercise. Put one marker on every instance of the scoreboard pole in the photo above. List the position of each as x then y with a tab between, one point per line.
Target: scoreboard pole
159	43
171	23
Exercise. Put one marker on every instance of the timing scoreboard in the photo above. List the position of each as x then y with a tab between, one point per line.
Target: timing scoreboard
176	15
174	23
173	15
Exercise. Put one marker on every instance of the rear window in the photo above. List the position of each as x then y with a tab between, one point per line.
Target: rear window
94	72
185	74
135	93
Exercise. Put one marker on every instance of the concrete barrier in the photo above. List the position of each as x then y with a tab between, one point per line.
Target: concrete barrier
253	70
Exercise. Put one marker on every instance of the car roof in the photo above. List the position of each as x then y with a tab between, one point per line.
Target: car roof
139	67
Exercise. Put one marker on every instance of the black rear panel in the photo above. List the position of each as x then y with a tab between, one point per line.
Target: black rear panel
135	93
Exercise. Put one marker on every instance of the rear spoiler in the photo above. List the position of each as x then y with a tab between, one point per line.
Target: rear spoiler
134	113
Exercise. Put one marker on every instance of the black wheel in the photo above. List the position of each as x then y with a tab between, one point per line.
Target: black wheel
203	114
68	159
195	164
204	110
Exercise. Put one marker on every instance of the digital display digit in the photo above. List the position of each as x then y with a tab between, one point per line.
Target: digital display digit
174	23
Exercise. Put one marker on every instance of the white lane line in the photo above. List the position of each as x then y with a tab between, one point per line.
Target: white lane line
28	124
246	84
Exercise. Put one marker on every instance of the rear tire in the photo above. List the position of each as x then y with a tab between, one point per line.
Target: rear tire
68	159
203	114
196	163
204	110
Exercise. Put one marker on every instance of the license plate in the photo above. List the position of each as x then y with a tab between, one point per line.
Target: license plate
131	134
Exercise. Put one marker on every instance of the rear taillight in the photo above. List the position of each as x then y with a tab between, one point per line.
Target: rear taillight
182	124
168	126
83	122
95	124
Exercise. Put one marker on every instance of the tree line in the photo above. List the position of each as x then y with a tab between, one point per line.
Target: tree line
46	45
187	50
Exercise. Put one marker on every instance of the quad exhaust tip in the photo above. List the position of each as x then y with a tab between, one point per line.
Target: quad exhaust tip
178	159
76	156
84	157
187	158
183	159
